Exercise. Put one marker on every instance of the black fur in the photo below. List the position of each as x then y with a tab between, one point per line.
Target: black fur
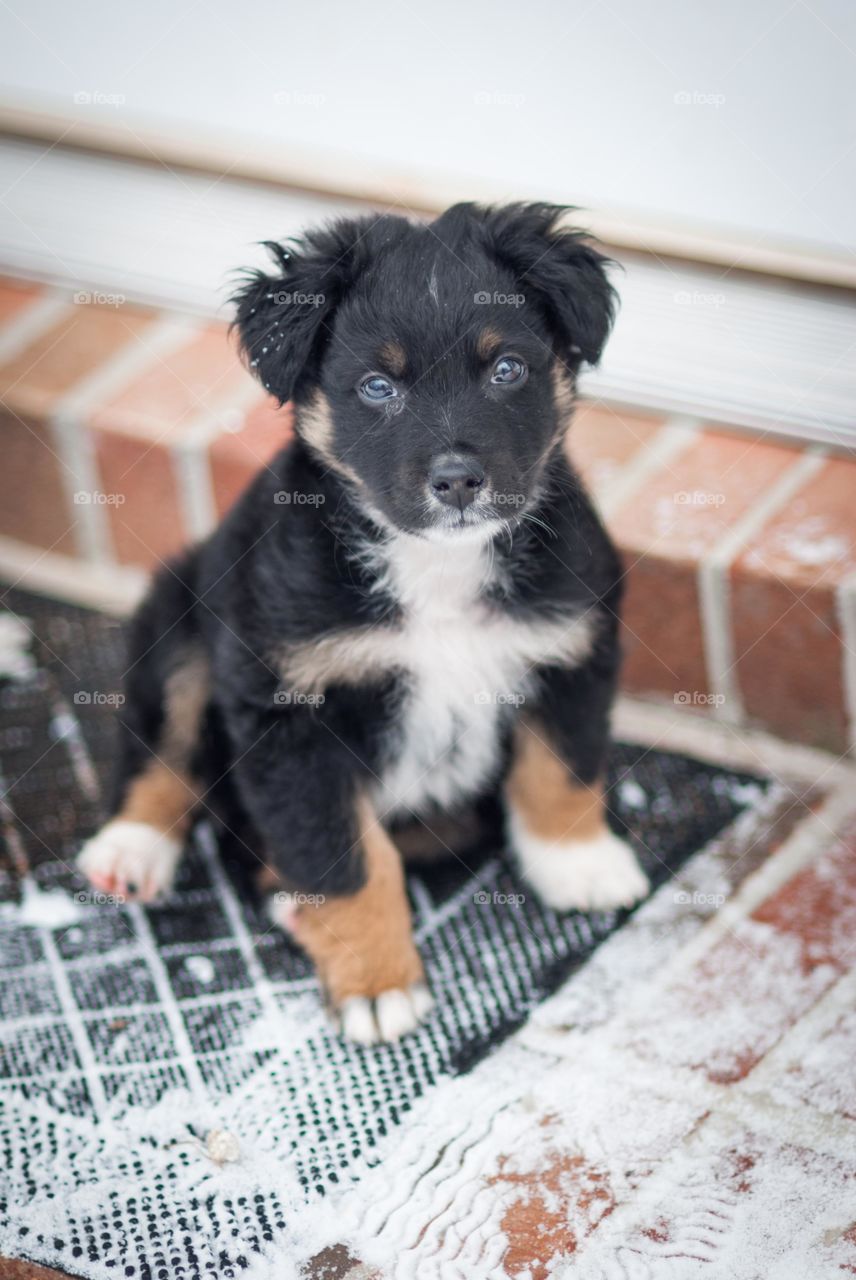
279	572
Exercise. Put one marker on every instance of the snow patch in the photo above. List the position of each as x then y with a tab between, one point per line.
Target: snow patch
16	661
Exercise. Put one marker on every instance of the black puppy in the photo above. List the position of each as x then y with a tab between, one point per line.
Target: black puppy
411	610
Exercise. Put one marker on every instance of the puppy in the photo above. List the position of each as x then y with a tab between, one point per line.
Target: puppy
413	609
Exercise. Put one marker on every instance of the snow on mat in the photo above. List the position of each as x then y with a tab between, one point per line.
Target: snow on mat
172	1100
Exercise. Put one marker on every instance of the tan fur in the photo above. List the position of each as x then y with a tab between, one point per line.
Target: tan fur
164	795
542	790
162	798
185	695
393	358
563	395
488	343
315	425
346	657
362	944
359	654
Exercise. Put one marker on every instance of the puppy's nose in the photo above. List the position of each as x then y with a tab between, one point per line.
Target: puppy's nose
456	480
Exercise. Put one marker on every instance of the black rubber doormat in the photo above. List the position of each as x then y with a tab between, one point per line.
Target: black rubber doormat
145	1049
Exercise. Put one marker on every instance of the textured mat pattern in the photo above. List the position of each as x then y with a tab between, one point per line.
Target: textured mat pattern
195	1014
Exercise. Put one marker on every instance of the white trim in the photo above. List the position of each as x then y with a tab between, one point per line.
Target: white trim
666	727
714	587
338	176
753	351
117	590
28	324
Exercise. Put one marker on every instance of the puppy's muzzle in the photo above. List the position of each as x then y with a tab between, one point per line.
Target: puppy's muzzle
456	480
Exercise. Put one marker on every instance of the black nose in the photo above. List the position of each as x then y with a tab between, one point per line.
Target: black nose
456	480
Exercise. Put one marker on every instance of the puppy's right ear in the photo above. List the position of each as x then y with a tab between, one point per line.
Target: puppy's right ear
283	317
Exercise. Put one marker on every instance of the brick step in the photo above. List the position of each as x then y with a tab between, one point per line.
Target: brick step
129	431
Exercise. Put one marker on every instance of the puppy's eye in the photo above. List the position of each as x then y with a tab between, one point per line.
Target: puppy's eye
376	388
509	370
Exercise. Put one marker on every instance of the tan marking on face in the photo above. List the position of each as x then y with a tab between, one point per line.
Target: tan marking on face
362	944
544	793
393	358
314	424
563	395
488	343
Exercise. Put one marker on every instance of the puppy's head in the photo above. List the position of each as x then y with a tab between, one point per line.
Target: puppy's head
432	365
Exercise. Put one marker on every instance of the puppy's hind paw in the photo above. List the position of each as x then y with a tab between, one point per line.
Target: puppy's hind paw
599	874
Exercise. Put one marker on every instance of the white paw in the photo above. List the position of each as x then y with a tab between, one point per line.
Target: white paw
131	860
601	874
388	1017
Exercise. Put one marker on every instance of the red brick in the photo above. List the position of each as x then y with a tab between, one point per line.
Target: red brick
786	629
562	1199
196	377
236	456
15	295
603	439
748	989
33	503
144	511
663	533
65	353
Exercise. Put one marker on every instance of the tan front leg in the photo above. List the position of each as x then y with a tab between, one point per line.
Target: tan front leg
557	827
362	944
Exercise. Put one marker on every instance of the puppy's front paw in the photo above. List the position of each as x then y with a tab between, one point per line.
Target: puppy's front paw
131	860
599	874
387	1017
376	991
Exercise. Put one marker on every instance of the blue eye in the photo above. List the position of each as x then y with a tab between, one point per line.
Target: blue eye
508	370
375	388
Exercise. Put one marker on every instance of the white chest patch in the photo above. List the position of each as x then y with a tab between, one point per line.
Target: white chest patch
468	666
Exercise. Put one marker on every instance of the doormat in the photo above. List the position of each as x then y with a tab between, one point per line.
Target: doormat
172	1097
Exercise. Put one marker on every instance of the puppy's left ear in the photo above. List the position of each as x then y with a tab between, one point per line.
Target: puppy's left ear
284	317
562	269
